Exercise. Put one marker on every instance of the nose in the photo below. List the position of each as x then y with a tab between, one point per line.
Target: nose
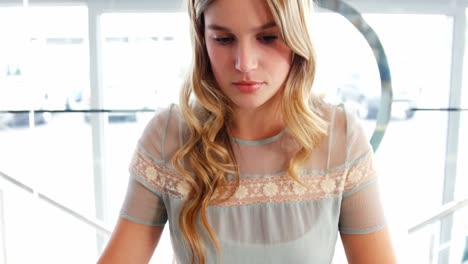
246	58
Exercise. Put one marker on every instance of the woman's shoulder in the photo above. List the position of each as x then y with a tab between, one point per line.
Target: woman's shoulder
348	133
346	139
340	115
161	135
334	113
162	120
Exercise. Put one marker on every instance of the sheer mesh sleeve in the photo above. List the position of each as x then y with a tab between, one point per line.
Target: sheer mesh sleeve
144	202
361	210
142	205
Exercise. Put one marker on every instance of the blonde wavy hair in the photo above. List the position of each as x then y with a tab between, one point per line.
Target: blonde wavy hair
207	152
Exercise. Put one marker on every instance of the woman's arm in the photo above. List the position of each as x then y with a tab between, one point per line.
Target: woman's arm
375	247
131	243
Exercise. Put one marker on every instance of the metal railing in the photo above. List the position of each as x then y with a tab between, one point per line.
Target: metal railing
442	212
91	221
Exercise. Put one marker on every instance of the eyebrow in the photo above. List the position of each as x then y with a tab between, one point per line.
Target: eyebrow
262	27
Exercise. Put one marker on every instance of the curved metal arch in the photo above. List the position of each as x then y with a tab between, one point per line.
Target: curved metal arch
386	98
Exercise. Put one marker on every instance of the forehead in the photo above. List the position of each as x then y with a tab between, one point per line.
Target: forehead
238	14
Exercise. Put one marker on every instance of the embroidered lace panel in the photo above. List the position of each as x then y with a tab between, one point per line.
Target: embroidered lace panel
268	189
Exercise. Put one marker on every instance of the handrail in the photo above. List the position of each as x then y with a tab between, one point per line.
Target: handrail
95	223
446	209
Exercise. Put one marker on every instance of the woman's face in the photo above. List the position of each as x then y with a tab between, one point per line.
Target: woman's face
249	59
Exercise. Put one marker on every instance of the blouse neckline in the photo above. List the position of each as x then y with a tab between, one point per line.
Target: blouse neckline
260	141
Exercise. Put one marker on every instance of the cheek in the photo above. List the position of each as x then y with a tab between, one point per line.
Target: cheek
286	55
216	57
280	62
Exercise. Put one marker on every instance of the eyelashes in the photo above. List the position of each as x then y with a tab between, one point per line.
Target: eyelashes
223	40
267	39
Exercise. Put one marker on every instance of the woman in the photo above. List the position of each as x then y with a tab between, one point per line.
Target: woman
253	170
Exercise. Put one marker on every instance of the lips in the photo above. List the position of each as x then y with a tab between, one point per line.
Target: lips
248	86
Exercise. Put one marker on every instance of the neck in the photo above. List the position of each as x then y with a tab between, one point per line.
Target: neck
256	124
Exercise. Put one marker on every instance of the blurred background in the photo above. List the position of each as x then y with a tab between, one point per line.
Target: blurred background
79	79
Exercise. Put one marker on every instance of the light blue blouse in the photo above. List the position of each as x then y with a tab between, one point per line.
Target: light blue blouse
270	218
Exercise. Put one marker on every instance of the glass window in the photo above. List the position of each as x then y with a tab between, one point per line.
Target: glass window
44	66
44	63
144	59
460	230
346	67
462	179
411	158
